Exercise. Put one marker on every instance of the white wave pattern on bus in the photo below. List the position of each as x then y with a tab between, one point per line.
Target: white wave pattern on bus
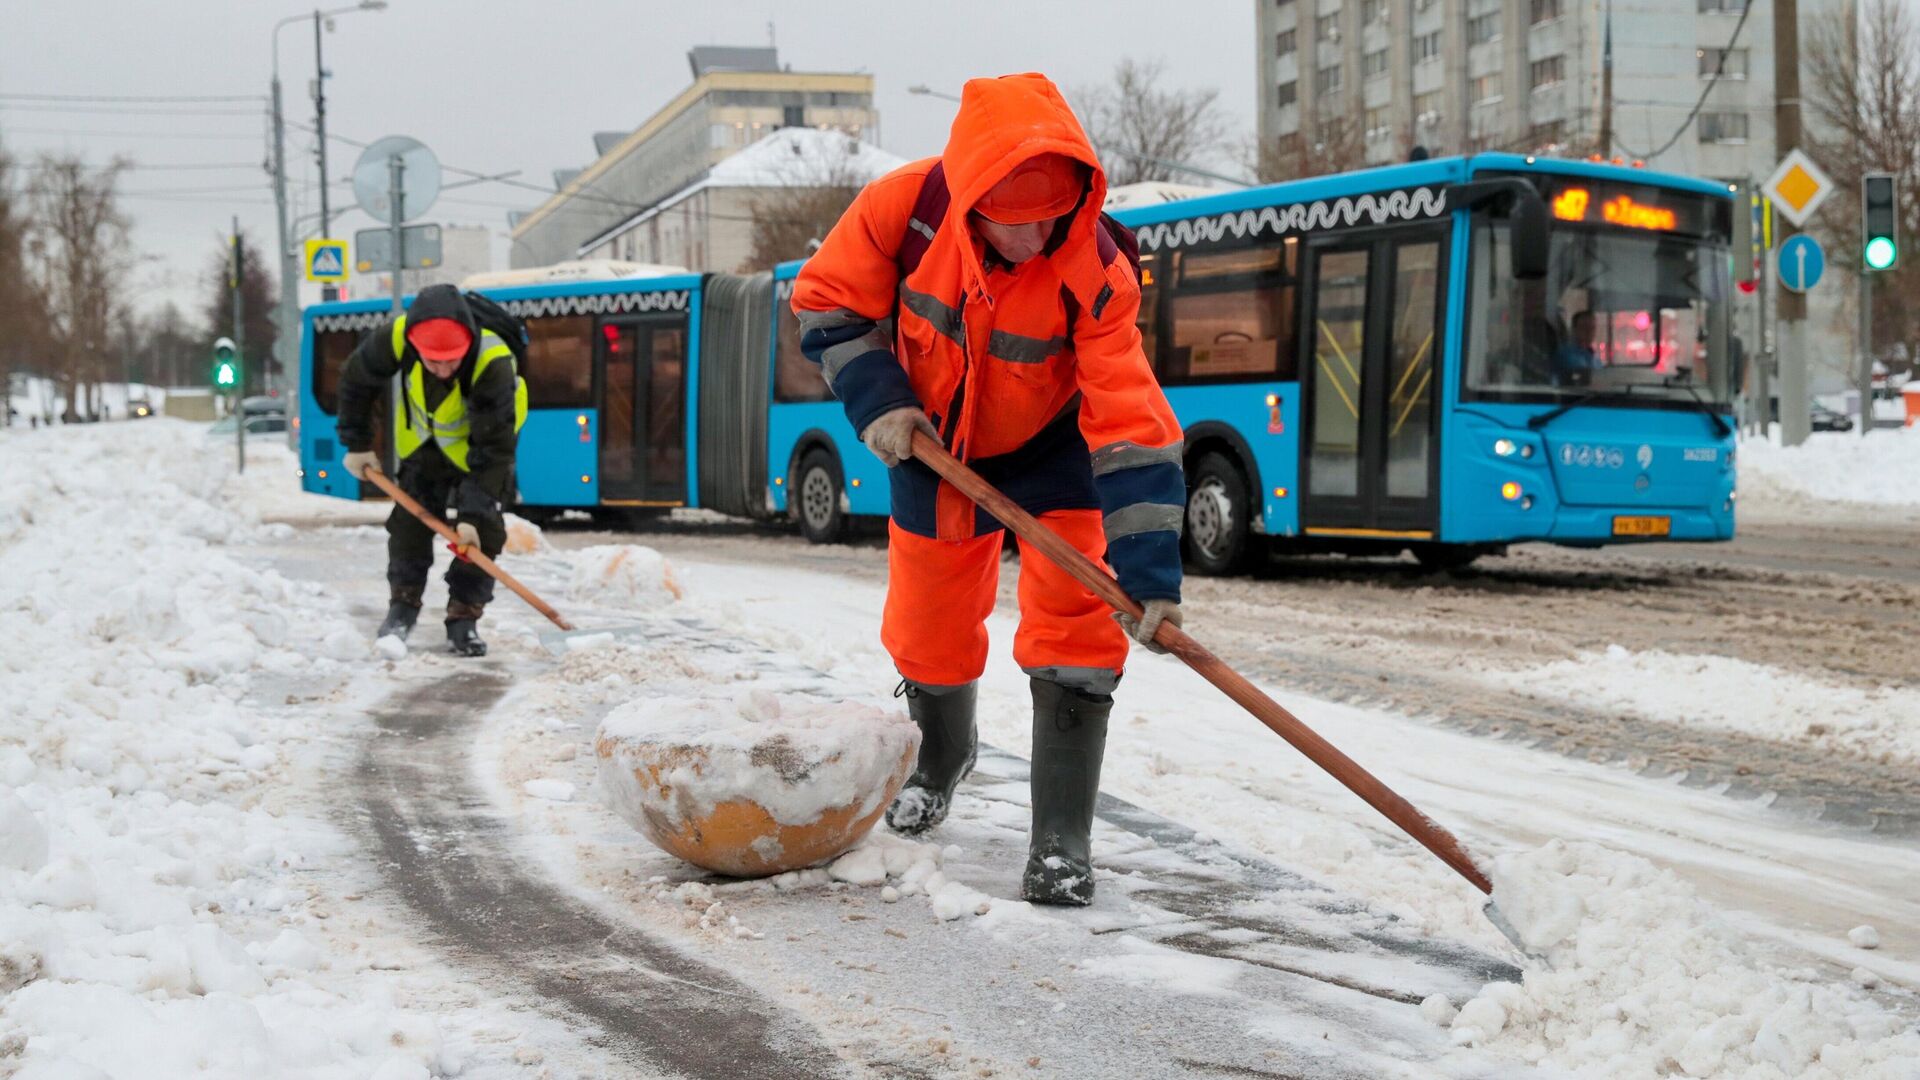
1343	212
599	303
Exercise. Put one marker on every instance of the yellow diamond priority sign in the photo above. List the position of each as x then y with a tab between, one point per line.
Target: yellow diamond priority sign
1797	187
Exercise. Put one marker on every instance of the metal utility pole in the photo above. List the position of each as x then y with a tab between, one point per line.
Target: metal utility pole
1795	420
396	172
289	312
1606	86
234	281
320	120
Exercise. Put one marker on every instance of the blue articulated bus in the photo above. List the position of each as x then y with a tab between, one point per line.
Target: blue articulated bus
1442	357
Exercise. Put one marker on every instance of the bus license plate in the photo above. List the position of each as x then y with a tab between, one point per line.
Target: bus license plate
1642	526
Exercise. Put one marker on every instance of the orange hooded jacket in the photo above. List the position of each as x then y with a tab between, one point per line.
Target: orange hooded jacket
1022	368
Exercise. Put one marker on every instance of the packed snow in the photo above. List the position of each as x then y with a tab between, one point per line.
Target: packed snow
1877	469
1725	694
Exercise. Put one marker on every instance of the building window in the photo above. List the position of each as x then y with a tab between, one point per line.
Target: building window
1327	80
1723	127
793	116
1722	7
1426	46
1484	89
1373	11
1545	11
1728	63
1379	123
1327	27
1483	28
1285	43
1374	63
1549	71
1289	93
1426	107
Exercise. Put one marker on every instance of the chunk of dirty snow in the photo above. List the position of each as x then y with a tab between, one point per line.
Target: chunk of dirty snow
1437	1010
622	572
952	899
1640	978
23	840
390	647
1864	937
291	950
1865	978
551	790
864	865
889	895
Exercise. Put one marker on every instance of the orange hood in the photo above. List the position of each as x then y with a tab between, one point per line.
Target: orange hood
1001	123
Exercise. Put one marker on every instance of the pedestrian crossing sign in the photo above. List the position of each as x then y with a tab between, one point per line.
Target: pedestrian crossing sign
326	260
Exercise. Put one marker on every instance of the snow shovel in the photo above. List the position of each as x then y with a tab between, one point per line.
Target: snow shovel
478	558
1211	668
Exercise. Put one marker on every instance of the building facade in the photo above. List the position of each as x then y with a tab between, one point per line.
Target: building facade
1371	79
738	96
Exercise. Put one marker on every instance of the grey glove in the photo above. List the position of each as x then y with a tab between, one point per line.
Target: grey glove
890	437
1143	629
469	537
357	462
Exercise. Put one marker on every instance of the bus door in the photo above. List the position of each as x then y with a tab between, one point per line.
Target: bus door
641	393
1371	449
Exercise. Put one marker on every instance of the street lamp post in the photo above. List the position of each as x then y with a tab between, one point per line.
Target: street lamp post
285	341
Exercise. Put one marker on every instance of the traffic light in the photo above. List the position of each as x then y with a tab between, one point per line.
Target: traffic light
1880	238
226	366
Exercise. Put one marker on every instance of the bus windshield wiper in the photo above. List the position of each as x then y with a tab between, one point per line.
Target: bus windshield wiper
1548	417
1720	427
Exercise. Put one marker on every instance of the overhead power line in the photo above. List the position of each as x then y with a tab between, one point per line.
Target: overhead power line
70	133
1718	70
153	98
114	110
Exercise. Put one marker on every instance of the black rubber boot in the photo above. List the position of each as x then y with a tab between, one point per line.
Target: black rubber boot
1069	739
463	629
948	743
402	612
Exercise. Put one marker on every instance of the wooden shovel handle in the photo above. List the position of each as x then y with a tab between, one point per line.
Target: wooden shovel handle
1210	667
478	557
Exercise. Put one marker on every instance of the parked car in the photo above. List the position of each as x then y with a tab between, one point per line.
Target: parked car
265	416
139	408
1825	419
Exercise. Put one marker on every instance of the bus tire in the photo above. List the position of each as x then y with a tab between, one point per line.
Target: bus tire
814	499
1446	558
1218	535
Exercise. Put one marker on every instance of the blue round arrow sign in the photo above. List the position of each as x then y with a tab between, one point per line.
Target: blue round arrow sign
1802	261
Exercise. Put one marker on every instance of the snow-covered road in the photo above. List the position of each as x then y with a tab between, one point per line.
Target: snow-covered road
193	878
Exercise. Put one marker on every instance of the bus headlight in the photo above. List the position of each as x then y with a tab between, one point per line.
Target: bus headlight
1504	447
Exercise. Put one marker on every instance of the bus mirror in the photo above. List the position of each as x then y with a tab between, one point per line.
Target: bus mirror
1526	212
1529	216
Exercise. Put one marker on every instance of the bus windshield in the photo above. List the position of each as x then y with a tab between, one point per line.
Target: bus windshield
1624	316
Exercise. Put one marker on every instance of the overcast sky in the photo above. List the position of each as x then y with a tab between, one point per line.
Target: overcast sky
495	85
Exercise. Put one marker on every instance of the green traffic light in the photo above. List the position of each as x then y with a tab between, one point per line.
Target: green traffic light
1880	253
224	375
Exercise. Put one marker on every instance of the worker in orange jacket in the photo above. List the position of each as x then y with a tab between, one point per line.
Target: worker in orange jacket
980	298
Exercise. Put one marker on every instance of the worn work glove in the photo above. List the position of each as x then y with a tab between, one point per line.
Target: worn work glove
1142	631
357	462
890	437
469	537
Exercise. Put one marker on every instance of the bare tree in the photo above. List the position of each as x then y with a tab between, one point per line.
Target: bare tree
1865	95
79	260
258	297
792	215
1143	130
21	317
1335	144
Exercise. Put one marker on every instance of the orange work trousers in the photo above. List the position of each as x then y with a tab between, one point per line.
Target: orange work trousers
940	592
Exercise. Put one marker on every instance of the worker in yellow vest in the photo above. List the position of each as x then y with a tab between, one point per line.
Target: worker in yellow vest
455	427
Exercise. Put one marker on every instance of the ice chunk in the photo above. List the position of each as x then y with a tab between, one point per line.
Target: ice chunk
551	790
1864	937
390	647
1437	1010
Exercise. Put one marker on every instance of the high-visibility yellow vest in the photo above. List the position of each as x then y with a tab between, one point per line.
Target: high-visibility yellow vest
414	425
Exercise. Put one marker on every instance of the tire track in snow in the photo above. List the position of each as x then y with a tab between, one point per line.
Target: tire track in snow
442	847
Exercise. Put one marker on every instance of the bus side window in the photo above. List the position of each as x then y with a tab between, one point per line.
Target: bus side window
795	378
559	371
1148	320
331	349
1231	315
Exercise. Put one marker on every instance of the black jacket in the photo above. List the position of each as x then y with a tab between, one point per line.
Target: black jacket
491	440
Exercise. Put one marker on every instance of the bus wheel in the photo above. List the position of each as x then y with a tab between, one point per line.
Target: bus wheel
1438	558
1218	517
815	500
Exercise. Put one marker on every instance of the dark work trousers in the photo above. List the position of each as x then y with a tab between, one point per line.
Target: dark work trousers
429	477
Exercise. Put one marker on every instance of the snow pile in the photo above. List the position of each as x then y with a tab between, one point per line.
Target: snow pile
137	835
901	867
1642	979
622	572
814	773
525	538
1729	695
1881	469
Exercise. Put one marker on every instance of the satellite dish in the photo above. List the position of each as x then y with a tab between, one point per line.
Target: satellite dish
419	180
